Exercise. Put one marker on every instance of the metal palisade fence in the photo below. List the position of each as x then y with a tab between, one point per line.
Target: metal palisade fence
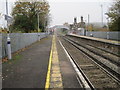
113	35
18	41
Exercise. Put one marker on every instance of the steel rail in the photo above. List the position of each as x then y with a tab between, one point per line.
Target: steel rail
79	70
109	71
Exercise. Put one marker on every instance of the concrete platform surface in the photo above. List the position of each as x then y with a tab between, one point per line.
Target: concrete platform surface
42	65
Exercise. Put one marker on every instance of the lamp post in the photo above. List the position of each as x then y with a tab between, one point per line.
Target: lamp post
38	21
45	24
38	26
8	36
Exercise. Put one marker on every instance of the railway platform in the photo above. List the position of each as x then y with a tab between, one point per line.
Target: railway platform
41	65
98	39
108	45
58	62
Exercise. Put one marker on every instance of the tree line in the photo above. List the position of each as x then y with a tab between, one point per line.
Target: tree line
25	16
114	15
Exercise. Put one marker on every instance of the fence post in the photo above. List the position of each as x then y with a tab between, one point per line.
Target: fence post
108	35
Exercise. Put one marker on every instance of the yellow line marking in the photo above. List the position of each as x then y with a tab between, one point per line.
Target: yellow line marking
47	85
56	78
53	79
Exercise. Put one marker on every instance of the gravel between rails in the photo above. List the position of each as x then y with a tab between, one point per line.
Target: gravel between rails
95	74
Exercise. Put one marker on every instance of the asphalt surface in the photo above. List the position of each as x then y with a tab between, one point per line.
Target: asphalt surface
29	70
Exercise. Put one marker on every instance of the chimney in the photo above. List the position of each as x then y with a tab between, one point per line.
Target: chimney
75	20
81	18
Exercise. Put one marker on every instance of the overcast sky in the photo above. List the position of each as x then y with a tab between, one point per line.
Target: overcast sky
65	10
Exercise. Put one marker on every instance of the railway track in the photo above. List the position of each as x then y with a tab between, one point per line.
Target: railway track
104	45
112	61
99	66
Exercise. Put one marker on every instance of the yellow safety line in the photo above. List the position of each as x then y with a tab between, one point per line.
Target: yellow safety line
47	85
56	78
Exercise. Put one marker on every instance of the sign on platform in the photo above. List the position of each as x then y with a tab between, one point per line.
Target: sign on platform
9	19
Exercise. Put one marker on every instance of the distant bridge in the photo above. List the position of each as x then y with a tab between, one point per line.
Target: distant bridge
61	26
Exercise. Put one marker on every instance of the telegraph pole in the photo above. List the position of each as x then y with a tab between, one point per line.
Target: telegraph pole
102	14
8	36
7	15
88	21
